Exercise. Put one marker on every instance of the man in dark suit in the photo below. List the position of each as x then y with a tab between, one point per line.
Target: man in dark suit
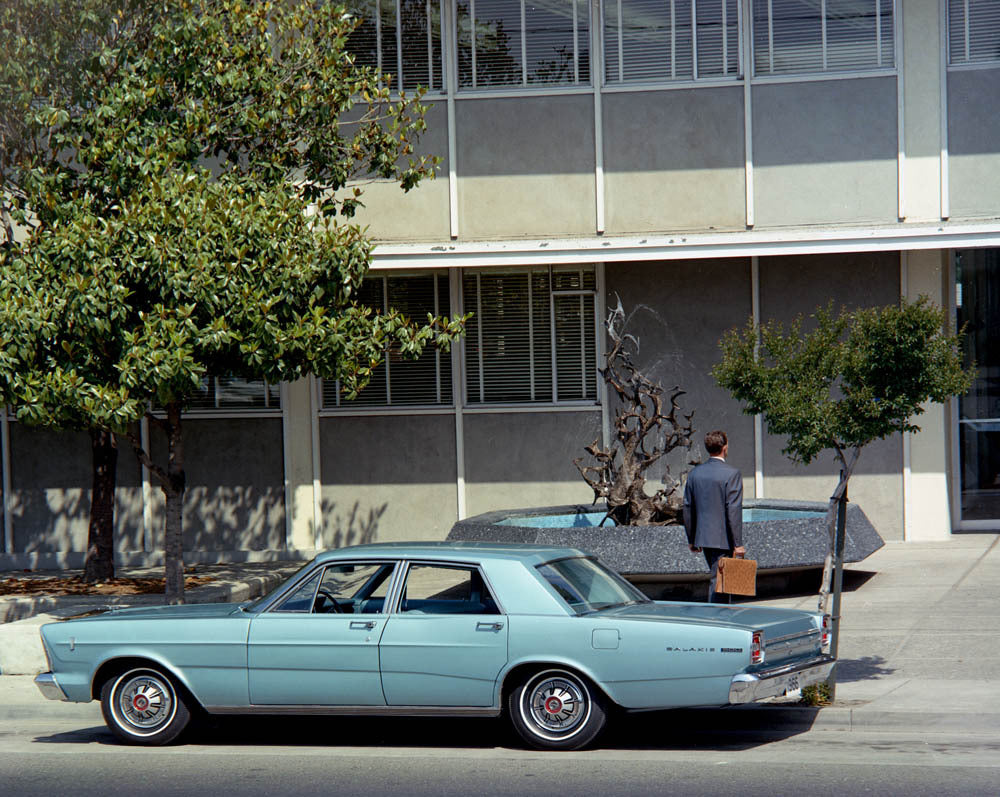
713	508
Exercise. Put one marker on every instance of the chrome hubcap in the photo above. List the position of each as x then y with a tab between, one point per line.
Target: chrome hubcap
557	705
144	702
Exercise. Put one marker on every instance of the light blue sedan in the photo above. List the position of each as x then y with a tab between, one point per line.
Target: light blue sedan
549	636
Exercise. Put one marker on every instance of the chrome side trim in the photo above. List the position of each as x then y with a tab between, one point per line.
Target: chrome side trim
749	687
797	635
362	711
49	687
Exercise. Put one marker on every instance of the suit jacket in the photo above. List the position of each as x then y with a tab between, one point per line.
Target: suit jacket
713	506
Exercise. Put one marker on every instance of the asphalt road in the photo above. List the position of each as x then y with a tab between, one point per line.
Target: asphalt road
341	757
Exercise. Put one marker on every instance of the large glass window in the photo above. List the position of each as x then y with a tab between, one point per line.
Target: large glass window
973	31
401	38
532	335
664	40
235	394
977	300
400	381
810	36
522	43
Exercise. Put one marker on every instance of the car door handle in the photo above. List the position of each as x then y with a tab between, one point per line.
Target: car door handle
489	626
365	625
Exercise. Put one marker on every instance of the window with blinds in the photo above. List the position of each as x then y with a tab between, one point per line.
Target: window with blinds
401	38
664	40
502	43
400	381
234	394
815	36
973	31
532	336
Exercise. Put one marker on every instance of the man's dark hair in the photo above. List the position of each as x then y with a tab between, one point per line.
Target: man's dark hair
715	442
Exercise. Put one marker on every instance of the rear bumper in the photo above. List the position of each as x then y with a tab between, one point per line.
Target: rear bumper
750	687
49	687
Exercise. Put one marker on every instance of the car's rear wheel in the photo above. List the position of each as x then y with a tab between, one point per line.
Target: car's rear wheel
144	706
557	710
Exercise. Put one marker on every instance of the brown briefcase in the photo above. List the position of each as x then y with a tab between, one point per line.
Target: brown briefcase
737	576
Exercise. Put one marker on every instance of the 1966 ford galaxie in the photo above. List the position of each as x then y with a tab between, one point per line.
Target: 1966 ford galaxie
549	636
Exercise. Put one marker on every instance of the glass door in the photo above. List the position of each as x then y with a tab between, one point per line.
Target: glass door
977	302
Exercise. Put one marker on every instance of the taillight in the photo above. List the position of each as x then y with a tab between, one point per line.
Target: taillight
757	648
827	635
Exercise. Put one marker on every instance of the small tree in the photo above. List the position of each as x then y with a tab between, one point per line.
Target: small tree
857	377
644	433
187	195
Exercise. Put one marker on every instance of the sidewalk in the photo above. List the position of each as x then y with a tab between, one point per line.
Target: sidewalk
918	646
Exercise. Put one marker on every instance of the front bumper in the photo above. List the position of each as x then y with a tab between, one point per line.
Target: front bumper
49	687
750	687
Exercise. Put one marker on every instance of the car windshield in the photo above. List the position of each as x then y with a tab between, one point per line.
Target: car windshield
588	586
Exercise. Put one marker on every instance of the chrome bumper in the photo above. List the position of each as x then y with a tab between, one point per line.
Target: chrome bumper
750	687
47	685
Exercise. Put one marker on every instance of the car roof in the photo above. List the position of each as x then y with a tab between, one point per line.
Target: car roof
456	551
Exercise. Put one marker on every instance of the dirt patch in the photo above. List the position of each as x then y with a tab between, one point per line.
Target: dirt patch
75	585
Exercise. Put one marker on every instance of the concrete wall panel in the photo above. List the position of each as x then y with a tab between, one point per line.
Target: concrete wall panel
790	286
673	160
825	152
526	166
422	213
974	142
235	485
387	477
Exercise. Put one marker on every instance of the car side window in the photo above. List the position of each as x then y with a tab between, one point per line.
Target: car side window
355	588
437	589
301	600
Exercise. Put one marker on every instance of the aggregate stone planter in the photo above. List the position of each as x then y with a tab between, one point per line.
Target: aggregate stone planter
783	536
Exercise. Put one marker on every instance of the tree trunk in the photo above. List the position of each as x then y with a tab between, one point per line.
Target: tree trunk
173	490
100	562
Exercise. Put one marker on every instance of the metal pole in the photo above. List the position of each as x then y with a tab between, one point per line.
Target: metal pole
838	582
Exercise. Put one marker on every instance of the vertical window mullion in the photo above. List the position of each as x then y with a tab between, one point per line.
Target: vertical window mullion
694	39
531	338
552	336
673	40
472	37
385	309
968	53
437	351
215	390
822	24
725	39
430	73
621	45
770	37
878	31
576	49
524	46
479	331
378	37
583	347
399	46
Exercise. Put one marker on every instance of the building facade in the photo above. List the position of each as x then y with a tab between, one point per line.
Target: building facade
705	162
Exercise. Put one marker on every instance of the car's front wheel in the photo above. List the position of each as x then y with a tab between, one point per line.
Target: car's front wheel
143	706
557	710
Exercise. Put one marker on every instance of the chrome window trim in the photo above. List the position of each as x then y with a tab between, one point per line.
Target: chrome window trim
269	608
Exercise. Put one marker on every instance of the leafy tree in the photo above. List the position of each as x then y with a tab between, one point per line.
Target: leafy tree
856	377
189	214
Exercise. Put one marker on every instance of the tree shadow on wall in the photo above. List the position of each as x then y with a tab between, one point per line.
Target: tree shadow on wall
354	527
50	520
230	518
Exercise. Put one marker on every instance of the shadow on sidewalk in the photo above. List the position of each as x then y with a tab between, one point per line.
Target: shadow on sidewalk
867	668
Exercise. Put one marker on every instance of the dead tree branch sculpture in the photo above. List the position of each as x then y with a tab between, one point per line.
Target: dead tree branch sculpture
643	434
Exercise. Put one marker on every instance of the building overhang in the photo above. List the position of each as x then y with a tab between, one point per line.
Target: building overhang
688	246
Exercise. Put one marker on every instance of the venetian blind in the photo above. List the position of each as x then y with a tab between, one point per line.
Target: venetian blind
522	43
400	381
807	36
973	31
399	37
532	336
664	40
